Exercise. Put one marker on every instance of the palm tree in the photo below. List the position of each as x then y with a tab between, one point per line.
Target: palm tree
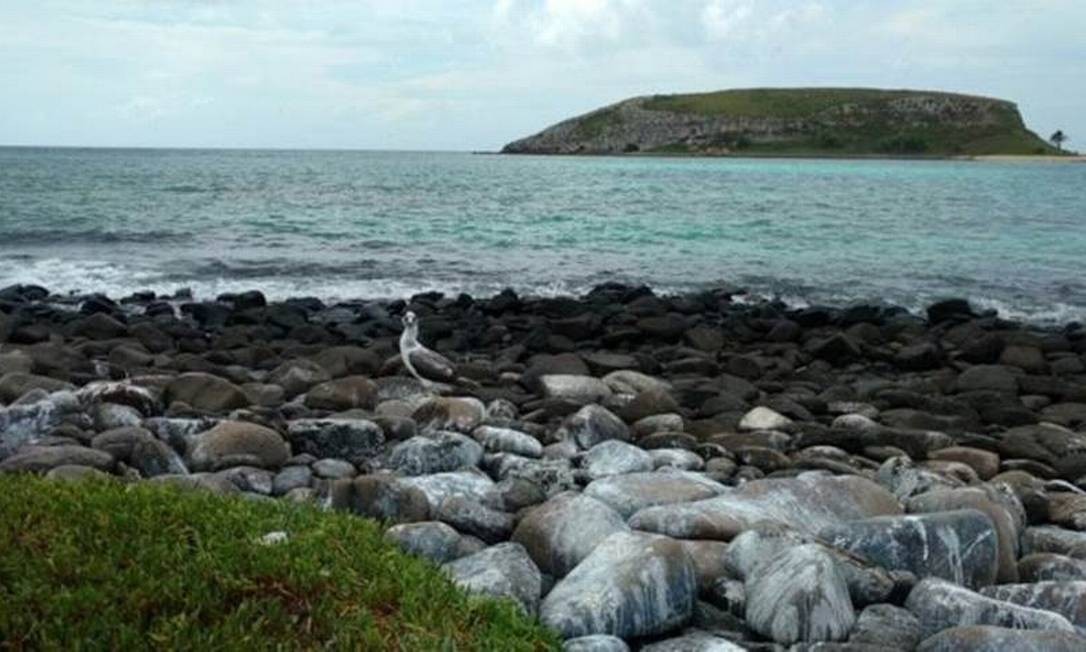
1058	139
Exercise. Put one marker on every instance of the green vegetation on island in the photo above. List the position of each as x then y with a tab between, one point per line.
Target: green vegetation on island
105	565
796	122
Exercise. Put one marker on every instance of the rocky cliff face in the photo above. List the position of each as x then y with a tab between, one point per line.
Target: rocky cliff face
847	120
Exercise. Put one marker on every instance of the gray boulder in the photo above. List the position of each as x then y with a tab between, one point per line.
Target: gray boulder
470	517
807	502
987	638
633	584
432	540
593	424
629	493
237	443
1065	598
354	440
799	595
41	459
615	457
561	532
961	546
445	451
507	440
576	389
501	571
939	605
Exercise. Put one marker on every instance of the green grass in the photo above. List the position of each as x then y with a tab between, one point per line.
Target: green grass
594	124
103	565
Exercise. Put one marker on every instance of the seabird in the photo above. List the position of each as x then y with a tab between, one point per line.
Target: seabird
428	366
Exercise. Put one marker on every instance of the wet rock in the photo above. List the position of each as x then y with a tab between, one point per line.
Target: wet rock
1047	566
631	585
649	403
1006	527
992	378
563	531
432	540
799	595
237	443
41	459
290	478
577	389
696	641
140	450
354	440
961	545
446	451
501	571
297	376
986	638
380	496
343	394
15	384
205	392
507	440
470	517
1057	447
333	469
807	502
439	486
595	643
939	605
593	424
1050	538
985	463
457	414
888	626
1065	598
614	457
763	418
75	473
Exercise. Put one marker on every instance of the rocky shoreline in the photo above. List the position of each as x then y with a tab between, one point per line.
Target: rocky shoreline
640	472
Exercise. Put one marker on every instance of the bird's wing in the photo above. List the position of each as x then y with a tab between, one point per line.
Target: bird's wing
432	365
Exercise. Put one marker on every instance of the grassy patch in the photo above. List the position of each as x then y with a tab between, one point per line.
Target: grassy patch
102	565
595	123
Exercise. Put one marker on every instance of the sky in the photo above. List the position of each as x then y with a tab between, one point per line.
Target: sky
475	74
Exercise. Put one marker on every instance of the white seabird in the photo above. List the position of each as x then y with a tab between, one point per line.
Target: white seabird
428	366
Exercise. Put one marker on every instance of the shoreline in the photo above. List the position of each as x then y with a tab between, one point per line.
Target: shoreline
569	443
1002	158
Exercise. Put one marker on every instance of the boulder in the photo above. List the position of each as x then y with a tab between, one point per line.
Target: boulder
354	440
470	517
629	493
14	384
457	414
987	638
297	376
593	424
631	585
763	418
807	502
576	389
1048	566
237	443
352	392
140	450
1006	526
469	484
799	595
983	377
205	392
939	604
501	571
1065	598
380	496
561	532
507	440
41	459
961	545
615	457
432	540
596	643
446	451
888	626
1057	447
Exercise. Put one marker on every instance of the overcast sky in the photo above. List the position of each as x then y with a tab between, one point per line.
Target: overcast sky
474	74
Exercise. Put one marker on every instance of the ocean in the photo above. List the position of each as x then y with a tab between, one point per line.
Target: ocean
345	225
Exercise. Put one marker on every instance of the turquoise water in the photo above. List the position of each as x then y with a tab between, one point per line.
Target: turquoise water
368	224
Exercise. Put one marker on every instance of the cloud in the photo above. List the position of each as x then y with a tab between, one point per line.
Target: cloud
471	74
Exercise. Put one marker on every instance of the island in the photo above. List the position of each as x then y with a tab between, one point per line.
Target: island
795	122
